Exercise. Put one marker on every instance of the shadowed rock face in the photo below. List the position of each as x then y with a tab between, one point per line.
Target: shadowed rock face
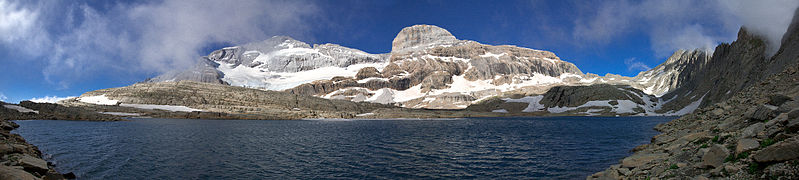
572	96
754	126
681	67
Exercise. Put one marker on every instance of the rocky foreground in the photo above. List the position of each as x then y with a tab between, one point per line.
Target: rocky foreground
20	160
752	135
23	161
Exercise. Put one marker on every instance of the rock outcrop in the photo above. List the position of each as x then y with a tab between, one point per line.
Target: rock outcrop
428	66
27	110
20	160
593	100
229	100
678	69
754	125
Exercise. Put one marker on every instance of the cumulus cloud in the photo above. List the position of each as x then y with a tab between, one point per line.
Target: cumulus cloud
76	40
49	99
684	24
634	65
3	97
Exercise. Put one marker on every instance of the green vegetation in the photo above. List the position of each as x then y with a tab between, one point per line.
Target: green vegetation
673	166
753	167
734	158
716	139
703	146
767	142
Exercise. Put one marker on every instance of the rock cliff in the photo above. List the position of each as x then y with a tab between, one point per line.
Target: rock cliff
747	128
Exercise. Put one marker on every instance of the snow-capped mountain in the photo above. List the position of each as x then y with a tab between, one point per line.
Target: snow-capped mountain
428	67
277	63
679	68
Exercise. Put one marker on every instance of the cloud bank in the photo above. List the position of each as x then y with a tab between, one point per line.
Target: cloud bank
684	24
76	40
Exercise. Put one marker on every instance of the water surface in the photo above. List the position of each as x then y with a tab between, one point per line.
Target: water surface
481	148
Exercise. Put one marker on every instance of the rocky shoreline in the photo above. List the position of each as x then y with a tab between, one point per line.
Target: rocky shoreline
23	161
753	135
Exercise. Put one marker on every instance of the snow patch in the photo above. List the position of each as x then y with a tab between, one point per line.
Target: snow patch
20	108
533	103
489	54
121	113
238	75
500	111
99	100
162	107
687	109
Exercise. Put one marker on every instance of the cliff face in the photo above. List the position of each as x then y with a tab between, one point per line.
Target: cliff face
732	68
681	67
430	68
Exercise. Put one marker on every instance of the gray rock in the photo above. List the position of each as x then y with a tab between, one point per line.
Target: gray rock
778	99
640	159
421	36
745	145
715	156
753	130
672	74
792	125
367	72
784	150
763	112
10	173
33	164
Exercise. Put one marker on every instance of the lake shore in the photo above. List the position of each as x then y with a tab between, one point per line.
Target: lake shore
21	160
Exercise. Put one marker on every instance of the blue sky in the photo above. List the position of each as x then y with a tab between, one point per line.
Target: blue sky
65	48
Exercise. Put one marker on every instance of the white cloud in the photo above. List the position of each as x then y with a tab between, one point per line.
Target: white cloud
49	99
684	24
76	41
3	97
15	22
633	65
768	18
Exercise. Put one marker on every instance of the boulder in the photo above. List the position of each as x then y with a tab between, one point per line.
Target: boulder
640	159
661	139
367	72
763	112
33	164
782	151
793	125
715	156
694	136
745	145
7	172
752	130
777	99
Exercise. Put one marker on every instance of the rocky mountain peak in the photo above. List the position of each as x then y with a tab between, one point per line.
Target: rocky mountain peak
421	35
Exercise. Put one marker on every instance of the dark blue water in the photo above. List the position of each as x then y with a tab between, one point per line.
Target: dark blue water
487	148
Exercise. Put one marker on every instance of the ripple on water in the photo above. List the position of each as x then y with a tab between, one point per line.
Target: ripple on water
485	148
